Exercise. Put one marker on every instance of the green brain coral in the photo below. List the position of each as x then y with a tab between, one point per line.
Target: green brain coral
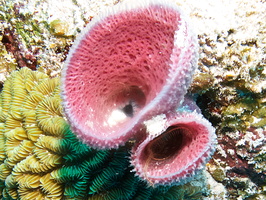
40	158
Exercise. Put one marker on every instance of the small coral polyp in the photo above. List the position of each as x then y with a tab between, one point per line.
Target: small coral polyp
127	66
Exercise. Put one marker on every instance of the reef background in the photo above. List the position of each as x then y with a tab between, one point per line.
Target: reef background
230	83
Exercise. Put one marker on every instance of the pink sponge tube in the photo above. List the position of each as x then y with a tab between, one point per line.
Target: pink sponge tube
176	154
132	63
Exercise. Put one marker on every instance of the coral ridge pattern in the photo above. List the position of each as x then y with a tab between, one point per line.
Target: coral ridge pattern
41	158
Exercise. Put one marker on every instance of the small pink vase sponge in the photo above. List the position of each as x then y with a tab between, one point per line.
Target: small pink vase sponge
124	78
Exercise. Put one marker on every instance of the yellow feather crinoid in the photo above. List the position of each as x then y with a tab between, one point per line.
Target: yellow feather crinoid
31	125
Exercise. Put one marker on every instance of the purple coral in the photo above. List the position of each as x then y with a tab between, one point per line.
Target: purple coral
128	65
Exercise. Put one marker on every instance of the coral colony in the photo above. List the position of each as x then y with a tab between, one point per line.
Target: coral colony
123	92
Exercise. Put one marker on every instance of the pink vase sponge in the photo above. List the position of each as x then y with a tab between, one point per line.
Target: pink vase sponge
131	63
185	144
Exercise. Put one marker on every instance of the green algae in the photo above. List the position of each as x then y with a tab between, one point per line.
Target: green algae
201	82
218	174
259	162
31	31
30	39
7	61
257	71
256	197
59	27
246	112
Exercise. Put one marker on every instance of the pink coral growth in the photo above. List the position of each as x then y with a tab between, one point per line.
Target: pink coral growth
134	63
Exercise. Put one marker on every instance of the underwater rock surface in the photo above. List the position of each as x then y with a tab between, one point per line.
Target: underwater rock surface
230	82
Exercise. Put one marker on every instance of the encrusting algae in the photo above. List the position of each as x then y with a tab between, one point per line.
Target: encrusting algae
40	158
